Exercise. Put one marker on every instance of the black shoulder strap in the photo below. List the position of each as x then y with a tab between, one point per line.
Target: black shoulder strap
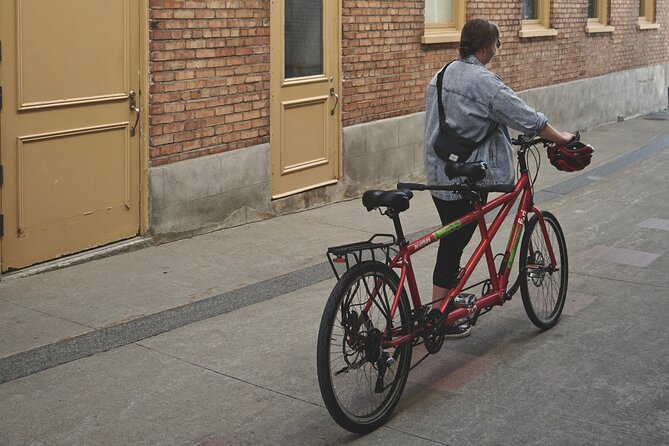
442	114
440	83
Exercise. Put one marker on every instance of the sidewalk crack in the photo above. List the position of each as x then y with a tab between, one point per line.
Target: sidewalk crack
630	282
139	344
228	376
26	307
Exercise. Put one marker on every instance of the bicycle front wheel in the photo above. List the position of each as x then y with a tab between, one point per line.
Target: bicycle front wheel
361	380
543	285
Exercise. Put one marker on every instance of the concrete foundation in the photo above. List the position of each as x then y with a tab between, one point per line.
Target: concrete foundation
231	189
587	103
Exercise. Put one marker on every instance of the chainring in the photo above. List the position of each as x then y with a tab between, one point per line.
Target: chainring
431	337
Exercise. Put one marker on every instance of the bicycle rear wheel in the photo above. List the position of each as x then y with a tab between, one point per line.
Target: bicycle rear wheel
543	286
360	380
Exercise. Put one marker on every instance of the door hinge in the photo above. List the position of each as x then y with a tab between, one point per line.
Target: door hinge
2	175
2	225
0	98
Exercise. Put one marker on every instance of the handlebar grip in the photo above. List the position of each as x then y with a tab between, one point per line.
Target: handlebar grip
410	186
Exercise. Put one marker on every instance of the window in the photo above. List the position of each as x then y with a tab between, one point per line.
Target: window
531	10
303	29
647	15
536	19
598	17
444	20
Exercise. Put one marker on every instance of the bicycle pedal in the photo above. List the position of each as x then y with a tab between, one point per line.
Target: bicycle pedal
464	300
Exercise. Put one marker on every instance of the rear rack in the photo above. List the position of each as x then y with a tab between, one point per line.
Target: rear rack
354	254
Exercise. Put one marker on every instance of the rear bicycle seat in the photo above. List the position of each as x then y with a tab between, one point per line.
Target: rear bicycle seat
396	200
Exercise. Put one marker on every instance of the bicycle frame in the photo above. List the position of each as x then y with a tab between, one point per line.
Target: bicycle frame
498	279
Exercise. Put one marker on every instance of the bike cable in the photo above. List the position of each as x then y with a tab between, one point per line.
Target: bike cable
537	161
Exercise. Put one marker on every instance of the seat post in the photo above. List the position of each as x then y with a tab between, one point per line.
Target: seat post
398	228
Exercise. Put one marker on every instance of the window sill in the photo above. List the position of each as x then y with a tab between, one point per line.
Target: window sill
593	29
527	33
442	37
647	25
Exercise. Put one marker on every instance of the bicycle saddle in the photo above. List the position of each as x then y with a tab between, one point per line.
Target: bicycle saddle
475	171
397	200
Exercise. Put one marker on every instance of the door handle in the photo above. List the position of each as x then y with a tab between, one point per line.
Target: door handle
332	93
134	108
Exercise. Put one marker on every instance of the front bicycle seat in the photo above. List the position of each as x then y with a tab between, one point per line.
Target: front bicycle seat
397	200
476	170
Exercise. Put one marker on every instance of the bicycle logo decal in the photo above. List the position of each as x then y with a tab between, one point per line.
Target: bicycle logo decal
439	233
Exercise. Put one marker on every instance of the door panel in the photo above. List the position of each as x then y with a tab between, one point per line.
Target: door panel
305	116
86	43
50	174
71	167
310	113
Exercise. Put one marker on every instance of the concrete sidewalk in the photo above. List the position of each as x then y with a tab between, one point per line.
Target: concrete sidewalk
211	340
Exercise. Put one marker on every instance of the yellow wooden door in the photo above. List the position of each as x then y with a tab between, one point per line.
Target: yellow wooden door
305	83
71	165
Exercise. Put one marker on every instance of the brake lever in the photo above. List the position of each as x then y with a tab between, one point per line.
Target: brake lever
574	141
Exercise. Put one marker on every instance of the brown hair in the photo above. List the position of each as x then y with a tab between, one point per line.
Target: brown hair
477	34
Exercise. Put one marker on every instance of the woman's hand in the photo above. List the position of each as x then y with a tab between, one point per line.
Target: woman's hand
568	136
549	133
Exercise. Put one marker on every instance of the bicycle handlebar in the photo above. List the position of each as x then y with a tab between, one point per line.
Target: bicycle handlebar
523	141
411	186
457	187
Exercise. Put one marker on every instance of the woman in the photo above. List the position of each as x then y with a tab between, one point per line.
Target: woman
475	100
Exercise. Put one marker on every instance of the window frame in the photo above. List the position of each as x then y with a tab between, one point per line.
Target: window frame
648	21
600	23
539	27
445	32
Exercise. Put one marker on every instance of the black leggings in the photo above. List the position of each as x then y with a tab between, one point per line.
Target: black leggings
451	246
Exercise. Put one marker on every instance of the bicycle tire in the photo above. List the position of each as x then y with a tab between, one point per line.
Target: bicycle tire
346	356
543	290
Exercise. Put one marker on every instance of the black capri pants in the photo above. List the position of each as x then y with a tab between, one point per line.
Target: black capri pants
451	246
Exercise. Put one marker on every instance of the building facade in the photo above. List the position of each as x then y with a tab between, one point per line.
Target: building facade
176	117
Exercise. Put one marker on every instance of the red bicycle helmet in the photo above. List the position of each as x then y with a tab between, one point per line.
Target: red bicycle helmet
570	157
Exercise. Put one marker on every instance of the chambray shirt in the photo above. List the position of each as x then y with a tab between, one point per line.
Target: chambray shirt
474	98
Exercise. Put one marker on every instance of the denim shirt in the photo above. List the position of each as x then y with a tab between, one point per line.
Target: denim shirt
474	98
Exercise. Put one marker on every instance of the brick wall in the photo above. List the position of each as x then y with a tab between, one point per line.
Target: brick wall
385	66
209	63
209	69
